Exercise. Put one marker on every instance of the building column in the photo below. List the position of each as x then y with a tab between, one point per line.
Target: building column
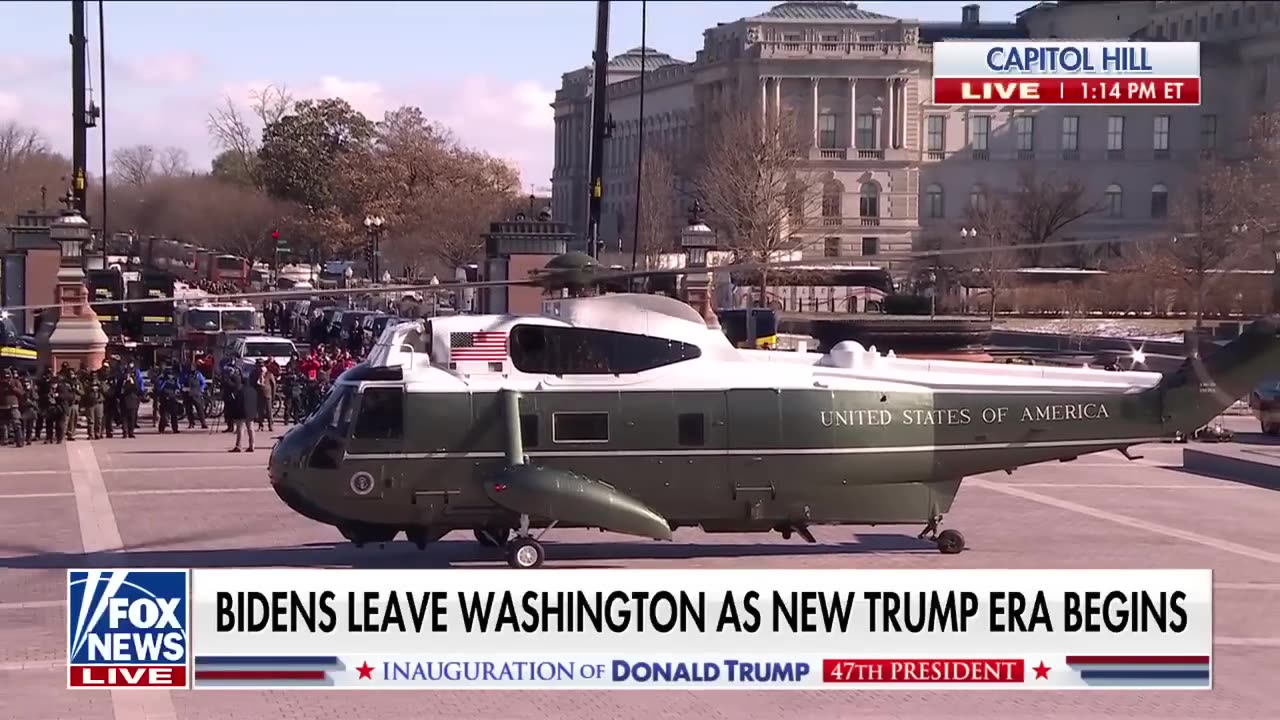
777	98
764	101
813	84
890	83
853	113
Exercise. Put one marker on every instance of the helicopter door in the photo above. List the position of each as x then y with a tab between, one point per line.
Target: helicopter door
754	433
376	443
701	432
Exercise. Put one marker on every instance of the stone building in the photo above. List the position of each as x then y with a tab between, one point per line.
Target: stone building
898	171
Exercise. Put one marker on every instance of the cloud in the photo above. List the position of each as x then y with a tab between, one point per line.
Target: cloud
173	68
10	106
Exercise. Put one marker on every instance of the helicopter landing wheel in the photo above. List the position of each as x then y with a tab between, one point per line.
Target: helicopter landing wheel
493	537
525	553
950	542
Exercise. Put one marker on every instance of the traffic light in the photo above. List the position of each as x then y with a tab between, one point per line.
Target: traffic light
275	234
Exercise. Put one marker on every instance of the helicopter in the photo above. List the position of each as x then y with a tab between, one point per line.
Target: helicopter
628	413
632	413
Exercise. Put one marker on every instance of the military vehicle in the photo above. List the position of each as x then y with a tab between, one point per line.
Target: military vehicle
628	414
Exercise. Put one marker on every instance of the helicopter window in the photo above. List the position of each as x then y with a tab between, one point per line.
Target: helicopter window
692	429
586	351
529	430
580	427
381	414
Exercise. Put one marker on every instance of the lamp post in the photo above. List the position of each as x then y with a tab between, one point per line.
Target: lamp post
373	226
967	234
347	274
71	333
697	239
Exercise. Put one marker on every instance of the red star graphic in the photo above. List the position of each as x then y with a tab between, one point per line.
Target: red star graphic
366	672
1042	671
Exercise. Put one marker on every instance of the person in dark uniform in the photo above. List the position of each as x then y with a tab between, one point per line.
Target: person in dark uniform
130	393
110	377
66	398
10	408
91	405
27	406
242	409
168	402
46	404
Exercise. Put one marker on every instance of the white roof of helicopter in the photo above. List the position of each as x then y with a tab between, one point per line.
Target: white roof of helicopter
849	366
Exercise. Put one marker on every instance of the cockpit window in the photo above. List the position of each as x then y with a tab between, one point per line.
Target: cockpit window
335	410
585	351
381	415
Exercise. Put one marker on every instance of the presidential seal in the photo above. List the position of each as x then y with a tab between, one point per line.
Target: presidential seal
362	483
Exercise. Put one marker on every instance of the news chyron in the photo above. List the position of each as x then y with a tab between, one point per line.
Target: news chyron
127	628
1028	72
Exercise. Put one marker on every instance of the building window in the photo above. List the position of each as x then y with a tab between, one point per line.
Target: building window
1251	15
1217	21
832	202
869	201
870	246
1160	136
1024	127
691	429
979	132
1186	27
1071	133
827	130
1204	24
1208	132
1115	201
1115	133
867	132
936	133
934	202
1173	30
977	198
1159	201
831	247
1235	18
1159	32
580	427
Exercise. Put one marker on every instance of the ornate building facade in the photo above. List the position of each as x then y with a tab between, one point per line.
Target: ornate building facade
898	172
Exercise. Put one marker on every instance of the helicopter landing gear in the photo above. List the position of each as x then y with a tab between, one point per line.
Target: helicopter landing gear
361	535
949	542
493	537
801	530
524	552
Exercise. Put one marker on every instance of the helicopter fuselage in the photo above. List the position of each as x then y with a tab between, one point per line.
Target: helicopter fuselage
726	440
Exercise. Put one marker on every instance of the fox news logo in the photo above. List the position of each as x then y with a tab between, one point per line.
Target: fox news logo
127	628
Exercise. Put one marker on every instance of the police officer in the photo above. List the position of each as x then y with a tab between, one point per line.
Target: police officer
168	404
66	398
91	405
129	389
10	404
108	377
27	406
47	405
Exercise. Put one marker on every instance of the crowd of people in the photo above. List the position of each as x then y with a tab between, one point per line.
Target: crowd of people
105	403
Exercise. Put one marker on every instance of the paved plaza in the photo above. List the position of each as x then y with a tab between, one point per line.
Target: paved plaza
184	501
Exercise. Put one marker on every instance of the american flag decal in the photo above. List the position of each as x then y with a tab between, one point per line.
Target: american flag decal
478	346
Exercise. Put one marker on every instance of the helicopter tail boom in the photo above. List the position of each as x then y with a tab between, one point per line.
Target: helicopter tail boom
1203	388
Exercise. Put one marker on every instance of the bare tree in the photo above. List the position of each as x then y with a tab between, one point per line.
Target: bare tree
994	226
174	162
19	143
237	134
134	165
752	181
1043	206
656	232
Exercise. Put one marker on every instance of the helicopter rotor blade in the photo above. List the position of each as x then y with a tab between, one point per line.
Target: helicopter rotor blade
591	275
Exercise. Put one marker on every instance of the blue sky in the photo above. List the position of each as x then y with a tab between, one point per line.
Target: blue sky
486	69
